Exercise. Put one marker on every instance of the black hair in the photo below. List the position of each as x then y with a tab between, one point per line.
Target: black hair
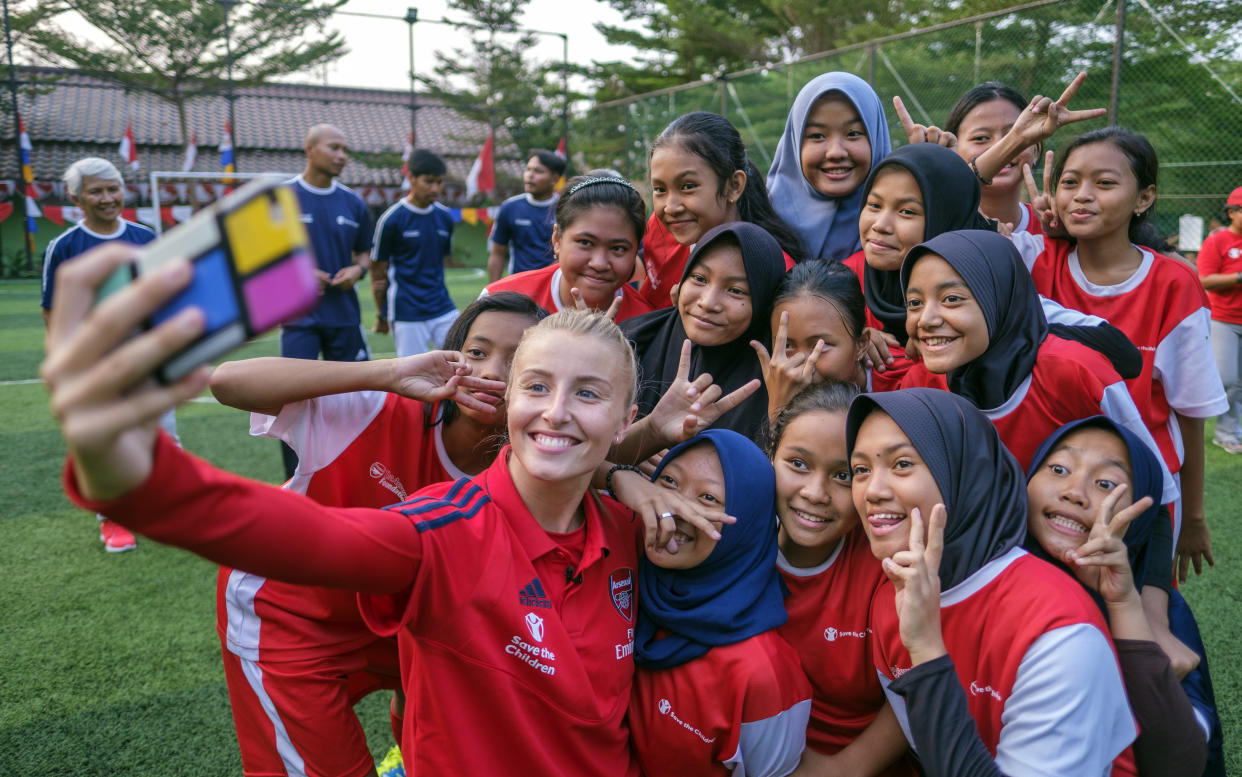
573	204
713	139
455	338
549	159
832	396
424	162
834	282
983	93
1143	163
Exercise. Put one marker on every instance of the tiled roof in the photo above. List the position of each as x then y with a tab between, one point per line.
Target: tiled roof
77	115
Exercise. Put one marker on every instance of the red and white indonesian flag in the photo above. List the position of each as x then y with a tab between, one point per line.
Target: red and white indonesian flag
482	175
128	149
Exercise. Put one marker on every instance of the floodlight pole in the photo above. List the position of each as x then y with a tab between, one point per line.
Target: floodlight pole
227	5
1119	33
411	18
565	92
17	135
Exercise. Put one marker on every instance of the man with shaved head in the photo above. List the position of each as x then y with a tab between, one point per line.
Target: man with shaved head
340	232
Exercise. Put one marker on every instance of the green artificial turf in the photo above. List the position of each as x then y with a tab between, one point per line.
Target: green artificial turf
111	664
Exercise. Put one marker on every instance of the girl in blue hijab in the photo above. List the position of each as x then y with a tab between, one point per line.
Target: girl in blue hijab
835	134
1073	475
716	687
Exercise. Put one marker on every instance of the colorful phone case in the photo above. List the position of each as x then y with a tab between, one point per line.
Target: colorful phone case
253	270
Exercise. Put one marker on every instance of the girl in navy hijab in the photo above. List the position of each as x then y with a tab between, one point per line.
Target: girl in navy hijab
1092	485
994	662
835	134
717	690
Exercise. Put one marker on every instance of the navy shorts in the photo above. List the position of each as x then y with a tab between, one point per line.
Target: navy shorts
336	343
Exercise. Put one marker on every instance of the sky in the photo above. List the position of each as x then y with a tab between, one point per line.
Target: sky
379	54
379	48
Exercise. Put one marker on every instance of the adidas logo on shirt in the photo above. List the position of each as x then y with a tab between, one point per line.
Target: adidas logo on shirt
533	595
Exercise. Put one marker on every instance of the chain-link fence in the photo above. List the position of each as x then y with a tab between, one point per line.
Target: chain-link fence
1181	94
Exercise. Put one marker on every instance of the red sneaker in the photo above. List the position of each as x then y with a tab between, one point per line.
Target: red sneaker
116	538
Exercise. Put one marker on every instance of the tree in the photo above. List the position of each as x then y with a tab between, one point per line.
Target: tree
23	17
494	82
173	48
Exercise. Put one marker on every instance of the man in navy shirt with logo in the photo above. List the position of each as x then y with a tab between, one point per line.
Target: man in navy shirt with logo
95	186
340	233
522	237
413	240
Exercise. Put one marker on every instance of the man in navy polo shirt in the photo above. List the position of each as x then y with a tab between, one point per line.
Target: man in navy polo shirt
340	232
522	237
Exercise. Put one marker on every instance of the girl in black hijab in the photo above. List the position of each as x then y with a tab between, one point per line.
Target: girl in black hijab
723	302
978	325
994	661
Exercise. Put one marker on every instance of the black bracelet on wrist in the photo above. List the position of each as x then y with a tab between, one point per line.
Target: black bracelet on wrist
364	270
975	170
611	472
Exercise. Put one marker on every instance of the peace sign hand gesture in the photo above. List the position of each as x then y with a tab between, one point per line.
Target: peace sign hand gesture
918	133
783	375
1102	562
690	406
580	304
915	574
1043	202
1043	117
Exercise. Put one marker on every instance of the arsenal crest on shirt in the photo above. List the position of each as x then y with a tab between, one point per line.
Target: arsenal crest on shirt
621	585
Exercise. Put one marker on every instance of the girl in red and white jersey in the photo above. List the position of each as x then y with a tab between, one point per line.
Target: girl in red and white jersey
995	662
831	576
598	231
516	586
297	658
978	326
1095	260
700	179
717	689
1093	495
917	192
820	333
980	118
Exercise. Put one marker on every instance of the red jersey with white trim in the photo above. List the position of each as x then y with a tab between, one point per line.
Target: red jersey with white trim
362	449
664	260
544	287
1164	311
829	608
737	709
1032	652
890	379
1222	253
1069	381
461	569
1030	221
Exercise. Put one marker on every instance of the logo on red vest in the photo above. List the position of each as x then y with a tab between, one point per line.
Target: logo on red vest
621	585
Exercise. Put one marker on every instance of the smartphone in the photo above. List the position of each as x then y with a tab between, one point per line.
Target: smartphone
253	270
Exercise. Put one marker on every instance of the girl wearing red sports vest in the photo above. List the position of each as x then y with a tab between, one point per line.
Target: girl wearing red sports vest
979	328
1094	260
700	179
994	661
831	576
817	315
917	192
516	587
598	230
297	658
980	118
1081	492
717	690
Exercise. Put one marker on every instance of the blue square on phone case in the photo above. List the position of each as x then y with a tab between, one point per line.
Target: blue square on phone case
211	290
